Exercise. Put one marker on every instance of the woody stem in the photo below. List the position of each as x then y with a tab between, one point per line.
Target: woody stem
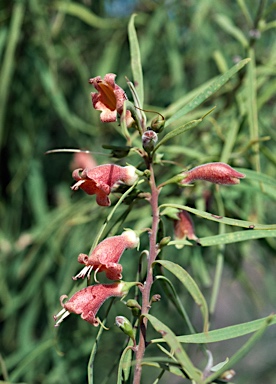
153	251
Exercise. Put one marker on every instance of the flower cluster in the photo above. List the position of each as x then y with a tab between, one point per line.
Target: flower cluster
102	180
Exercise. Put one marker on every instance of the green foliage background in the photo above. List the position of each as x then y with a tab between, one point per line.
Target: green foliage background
48	51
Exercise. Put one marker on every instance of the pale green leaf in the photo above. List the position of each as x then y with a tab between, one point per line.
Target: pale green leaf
190	285
229	27
242	351
228	238
176	348
136	60
83	13
208	91
222	334
181	129
221	219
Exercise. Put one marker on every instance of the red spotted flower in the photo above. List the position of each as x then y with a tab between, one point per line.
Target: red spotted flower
100	180
87	301
105	257
217	173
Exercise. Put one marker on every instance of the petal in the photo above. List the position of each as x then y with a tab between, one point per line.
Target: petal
113	271
102	199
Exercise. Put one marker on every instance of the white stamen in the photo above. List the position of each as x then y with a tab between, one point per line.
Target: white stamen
63	313
86	270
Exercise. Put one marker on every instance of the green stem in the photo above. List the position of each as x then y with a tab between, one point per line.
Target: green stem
220	258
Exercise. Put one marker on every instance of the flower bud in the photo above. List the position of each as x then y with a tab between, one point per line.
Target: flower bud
149	139
124	324
217	173
228	375
184	227
134	306
165	241
157	124
155	298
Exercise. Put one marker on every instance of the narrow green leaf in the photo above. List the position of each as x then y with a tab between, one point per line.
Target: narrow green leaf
220	219
234	237
165	365
90	366
222	334
178	131
83	13
29	359
9	62
191	286
242	351
136	60
125	364
256	176
173	296
177	349
229	27
181	129
208	91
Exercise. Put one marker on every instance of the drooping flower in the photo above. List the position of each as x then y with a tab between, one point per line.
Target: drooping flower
184	227
87	301
105	257
109	99
100	180
218	173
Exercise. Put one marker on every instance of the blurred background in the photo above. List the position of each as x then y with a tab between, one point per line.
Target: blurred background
48	52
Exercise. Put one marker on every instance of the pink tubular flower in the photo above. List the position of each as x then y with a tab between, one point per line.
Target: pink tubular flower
87	301
218	173
100	180
105	257
109	99
184	227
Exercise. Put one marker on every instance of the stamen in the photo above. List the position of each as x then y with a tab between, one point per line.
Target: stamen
86	270
65	314
95	274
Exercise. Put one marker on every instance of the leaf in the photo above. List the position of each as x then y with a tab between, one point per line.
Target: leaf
173	296
83	13
176	347
221	219
136	60
165	365
257	176
125	364
183	128
222	334
229	27
208	91
9	59
242	351
228	238
190	285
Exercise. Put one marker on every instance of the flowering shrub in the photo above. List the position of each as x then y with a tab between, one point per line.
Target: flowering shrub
142	182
